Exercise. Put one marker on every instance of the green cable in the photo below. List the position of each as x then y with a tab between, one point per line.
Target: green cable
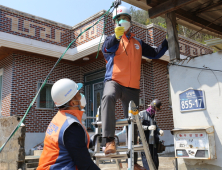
102	35
43	84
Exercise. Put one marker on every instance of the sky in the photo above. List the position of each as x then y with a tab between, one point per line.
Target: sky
69	12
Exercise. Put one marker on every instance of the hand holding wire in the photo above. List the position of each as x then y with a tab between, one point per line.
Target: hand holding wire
119	31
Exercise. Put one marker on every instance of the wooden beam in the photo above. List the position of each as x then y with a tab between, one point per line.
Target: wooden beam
207	7
167	7
189	17
173	43
148	2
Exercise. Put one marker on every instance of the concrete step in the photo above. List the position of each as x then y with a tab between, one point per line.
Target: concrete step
31	162
32	159
32	165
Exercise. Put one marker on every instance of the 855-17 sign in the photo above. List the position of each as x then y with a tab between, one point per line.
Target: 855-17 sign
192	100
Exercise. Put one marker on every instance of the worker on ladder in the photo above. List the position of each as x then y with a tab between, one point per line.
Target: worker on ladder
152	131
123	54
67	141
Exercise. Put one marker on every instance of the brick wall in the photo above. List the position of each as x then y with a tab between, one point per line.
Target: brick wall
7	66
29	70
161	91
22	73
146	84
139	31
21	25
89	35
40	29
26	74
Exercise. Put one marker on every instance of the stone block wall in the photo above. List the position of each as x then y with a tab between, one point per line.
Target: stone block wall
12	157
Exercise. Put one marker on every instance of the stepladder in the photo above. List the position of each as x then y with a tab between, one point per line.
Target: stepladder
123	152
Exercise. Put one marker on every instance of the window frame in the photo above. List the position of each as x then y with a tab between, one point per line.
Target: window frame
1	74
38	98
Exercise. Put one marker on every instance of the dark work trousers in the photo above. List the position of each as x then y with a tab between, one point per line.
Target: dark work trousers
153	152
112	92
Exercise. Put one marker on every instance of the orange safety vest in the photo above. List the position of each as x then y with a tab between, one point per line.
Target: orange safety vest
127	64
55	155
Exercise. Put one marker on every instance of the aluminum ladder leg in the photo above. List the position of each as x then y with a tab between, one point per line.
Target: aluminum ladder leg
134	114
124	152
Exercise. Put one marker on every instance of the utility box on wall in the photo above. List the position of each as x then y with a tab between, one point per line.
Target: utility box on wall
194	143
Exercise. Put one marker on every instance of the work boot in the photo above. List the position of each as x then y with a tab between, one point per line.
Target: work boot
137	167
110	148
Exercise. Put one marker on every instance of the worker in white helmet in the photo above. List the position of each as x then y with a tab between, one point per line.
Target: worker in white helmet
67	141
123	54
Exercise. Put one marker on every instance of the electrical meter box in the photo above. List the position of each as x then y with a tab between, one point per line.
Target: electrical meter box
194	142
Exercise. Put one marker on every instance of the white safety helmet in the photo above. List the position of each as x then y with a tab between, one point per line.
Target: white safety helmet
64	90
120	10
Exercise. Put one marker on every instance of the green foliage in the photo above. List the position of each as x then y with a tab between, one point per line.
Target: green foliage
162	24
142	17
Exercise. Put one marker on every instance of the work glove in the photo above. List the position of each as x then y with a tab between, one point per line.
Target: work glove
161	132
119	31
152	127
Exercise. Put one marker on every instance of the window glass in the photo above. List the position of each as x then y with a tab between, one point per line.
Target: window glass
45	99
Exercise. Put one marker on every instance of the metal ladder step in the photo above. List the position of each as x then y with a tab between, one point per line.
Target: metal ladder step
137	148
119	122
120	155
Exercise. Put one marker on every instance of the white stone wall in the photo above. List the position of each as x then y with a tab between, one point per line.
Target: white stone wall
183	78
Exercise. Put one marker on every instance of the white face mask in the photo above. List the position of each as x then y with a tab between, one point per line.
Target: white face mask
83	100
123	23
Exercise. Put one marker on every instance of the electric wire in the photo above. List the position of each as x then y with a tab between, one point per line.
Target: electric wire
215	77
105	21
202	69
205	68
47	77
